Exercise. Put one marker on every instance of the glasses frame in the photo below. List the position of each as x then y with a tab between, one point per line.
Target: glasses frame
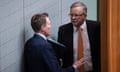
76	15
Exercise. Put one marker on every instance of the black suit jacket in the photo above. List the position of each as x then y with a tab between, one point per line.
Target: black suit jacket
40	57
65	36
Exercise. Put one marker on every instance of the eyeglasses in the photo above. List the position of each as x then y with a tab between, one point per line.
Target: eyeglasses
76	15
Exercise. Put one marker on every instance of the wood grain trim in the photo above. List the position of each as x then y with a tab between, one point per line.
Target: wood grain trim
114	35
104	46
110	35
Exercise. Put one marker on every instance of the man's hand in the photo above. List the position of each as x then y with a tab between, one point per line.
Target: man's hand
79	63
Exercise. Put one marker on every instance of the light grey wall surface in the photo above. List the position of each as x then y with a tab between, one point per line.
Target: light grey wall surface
11	35
50	6
92	9
15	29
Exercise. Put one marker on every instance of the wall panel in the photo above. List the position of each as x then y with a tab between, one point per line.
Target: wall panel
11	35
51	6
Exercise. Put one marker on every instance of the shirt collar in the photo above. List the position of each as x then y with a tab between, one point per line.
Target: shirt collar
83	26
42	35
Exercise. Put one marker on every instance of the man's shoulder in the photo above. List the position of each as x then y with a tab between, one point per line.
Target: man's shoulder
65	26
36	40
93	21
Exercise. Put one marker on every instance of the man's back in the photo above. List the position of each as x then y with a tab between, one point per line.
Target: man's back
40	57
33	55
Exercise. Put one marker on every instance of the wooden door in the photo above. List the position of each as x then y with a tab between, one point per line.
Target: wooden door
110	35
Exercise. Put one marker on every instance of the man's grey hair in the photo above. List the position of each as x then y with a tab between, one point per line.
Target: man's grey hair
79	4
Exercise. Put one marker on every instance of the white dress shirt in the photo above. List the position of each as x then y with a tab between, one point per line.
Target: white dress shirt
86	46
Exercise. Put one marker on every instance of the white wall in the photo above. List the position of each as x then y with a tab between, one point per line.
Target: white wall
15	26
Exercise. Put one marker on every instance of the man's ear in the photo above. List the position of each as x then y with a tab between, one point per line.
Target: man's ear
42	29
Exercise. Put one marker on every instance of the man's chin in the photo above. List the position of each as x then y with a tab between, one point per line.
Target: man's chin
75	24
47	35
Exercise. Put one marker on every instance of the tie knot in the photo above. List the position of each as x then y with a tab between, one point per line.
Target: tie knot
80	29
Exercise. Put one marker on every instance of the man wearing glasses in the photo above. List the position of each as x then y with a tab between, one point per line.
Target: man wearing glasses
90	39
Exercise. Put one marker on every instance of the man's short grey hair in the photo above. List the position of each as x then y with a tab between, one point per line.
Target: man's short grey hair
79	4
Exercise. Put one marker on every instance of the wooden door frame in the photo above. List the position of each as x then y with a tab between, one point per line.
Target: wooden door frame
109	16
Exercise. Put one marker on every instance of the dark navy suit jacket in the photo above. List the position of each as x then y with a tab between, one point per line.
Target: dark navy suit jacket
40	57
65	36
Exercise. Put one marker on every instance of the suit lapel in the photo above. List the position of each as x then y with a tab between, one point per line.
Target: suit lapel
70	33
89	30
90	35
68	38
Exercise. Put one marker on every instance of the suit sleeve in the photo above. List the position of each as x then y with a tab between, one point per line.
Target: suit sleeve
51	60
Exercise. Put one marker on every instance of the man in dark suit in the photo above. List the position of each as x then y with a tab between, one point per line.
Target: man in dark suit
38	54
68	35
